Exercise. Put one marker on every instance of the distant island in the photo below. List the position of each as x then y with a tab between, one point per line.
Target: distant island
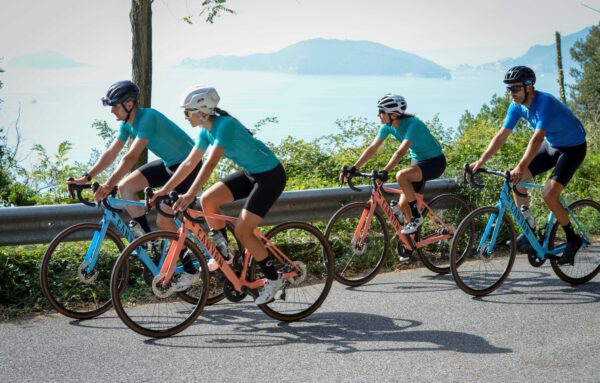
44	60
328	57
542	58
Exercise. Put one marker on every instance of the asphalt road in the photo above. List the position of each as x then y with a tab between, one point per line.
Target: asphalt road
410	326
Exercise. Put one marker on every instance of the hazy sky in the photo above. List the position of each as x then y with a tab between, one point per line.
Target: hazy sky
445	31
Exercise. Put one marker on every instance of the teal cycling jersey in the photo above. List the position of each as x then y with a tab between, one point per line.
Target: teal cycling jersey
424	146
547	113
165	139
239	145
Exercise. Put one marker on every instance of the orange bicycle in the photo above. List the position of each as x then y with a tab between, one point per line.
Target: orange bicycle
359	238
300	252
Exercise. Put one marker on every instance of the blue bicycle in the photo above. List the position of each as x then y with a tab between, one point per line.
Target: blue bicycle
484	246
76	269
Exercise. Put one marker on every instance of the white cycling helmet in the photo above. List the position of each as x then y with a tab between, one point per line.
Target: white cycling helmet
392	103
202	98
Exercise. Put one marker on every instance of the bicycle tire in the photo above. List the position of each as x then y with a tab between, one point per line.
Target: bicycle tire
139	306
587	259
94	299
303	244
452	210
475	273
355	266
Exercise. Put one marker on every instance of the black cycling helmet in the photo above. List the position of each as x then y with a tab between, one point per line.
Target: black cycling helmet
121	91
520	74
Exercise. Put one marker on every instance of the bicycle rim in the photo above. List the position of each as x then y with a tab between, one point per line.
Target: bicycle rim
306	247
477	269
70	288
152	309
354	263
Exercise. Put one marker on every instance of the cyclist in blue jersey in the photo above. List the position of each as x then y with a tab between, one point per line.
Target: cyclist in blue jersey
142	127
427	159
262	179
558	143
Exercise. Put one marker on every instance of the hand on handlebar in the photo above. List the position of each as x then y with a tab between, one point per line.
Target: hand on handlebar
183	202
346	171
382	175
156	194
102	192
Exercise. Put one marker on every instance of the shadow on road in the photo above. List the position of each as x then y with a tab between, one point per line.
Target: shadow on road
341	332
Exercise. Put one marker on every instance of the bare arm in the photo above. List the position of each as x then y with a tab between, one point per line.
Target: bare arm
184	170
532	148
107	158
398	155
368	153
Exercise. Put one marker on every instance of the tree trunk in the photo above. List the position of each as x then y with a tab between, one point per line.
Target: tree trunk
561	78
141	28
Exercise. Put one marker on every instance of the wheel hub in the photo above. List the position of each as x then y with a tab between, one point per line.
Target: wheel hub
84	276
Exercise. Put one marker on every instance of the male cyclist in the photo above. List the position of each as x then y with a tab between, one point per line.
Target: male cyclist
143	127
558	142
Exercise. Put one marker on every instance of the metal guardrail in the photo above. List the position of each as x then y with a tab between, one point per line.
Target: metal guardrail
39	224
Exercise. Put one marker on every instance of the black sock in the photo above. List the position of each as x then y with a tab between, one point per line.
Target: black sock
571	236
413	209
186	260
143	222
268	269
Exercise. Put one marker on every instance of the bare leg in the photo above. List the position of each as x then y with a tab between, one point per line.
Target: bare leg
406	177
523	200
551	194
244	231
128	189
211	201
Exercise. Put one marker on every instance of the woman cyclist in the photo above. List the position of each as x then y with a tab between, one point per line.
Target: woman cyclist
262	179
143	127
558	143
427	160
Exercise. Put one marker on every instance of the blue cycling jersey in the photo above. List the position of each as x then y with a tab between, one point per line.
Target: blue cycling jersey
424	146
165	139
238	144
547	113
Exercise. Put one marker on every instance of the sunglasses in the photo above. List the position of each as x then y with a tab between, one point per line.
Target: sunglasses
514	88
105	101
380	112
189	112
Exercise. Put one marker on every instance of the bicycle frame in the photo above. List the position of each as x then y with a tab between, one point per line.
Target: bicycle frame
377	199
168	267
506	203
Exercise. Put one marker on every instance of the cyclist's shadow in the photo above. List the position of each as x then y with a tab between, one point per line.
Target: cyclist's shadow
341	332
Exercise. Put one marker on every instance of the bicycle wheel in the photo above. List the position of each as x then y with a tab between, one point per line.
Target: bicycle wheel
152	309
356	264
587	259
477	269
68	286
308	249
451	209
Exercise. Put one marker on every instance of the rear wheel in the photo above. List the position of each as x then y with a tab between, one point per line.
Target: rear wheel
587	259
69	286
451	210
357	263
155	309
477	268
308	249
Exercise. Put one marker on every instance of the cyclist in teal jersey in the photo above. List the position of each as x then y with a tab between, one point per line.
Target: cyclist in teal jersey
262	179
427	159
558	143
143	127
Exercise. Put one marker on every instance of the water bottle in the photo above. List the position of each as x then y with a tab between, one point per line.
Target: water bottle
136	229
220	242
397	211
528	216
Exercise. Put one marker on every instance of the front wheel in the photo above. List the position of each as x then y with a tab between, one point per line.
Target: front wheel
357	263
479	263
308	249
585	219
151	307
450	210
72	288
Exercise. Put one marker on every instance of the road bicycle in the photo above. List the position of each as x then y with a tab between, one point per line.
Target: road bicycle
76	268
479	267
300	252
359	238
